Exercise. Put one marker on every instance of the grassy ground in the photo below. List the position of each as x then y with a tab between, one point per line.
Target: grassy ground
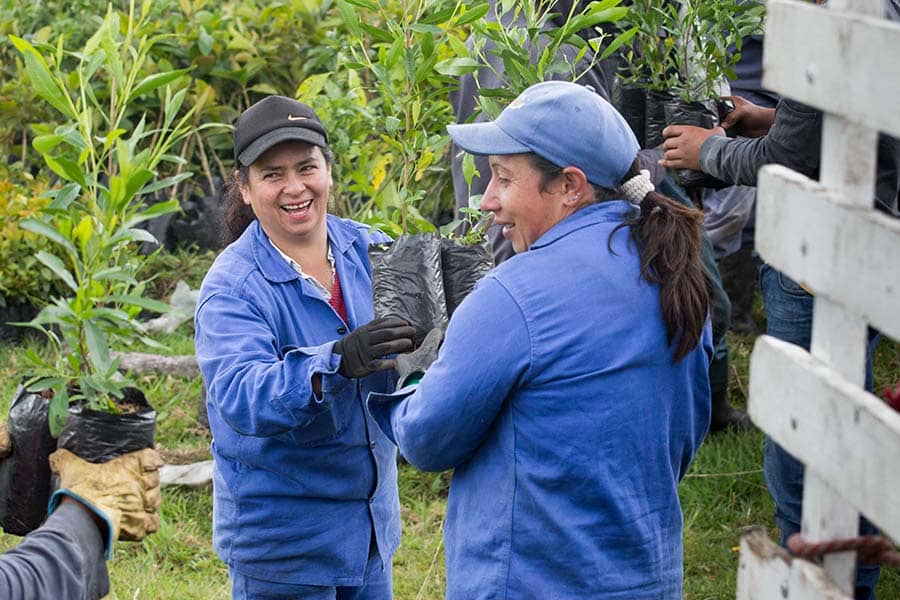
723	493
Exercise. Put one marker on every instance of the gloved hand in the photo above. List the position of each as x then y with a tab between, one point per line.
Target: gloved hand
124	491
412	366
362	348
5	441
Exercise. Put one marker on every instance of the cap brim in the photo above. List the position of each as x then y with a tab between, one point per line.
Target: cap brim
285	134
485	138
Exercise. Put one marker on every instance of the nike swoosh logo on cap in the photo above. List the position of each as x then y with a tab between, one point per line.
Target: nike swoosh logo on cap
297	118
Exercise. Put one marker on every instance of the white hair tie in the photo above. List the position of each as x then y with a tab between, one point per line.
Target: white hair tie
637	187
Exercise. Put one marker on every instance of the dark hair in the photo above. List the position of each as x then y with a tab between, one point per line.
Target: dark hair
668	237
238	215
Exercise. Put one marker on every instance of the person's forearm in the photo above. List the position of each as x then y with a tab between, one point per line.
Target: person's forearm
61	559
793	141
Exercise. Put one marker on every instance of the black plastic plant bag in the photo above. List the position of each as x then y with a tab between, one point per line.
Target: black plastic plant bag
631	102
407	281
655	120
25	473
701	114
98	436
463	265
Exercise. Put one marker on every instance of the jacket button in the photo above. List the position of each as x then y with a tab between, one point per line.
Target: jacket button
342	330
372	444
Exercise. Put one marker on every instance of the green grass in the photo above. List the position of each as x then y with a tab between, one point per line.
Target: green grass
723	493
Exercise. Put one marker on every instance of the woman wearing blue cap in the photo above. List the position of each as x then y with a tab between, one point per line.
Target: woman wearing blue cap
571	390
305	499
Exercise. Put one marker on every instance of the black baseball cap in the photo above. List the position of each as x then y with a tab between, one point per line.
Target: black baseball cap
273	120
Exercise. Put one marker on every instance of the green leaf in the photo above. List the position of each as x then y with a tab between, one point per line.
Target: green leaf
115	274
67	169
152	82
154	211
58	410
456	67
265	88
57	266
46	86
146	303
46	143
474	13
162	184
132	234
135	182
620	40
64	196
47	231
348	15
98	349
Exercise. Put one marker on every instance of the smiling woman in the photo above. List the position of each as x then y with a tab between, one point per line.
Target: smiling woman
305	490
572	387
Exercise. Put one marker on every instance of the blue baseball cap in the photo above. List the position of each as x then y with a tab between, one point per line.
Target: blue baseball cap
566	123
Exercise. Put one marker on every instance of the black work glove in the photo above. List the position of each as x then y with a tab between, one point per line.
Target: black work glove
412	366
361	348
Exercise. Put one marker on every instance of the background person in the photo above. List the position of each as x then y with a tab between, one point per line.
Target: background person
66	556
788	135
572	389
305	485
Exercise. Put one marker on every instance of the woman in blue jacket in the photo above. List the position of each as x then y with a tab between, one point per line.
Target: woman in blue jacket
305	484
571	391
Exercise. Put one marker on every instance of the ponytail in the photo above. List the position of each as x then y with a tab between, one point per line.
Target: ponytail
238	215
668	237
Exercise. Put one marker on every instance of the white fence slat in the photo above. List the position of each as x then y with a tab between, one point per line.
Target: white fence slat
847	167
845	254
767	571
828	516
840	339
865	7
837	61
841	432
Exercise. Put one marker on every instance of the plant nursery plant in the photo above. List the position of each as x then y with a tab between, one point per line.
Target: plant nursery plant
104	161
681	58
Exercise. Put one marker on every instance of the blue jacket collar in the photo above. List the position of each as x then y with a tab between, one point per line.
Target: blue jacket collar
272	265
608	211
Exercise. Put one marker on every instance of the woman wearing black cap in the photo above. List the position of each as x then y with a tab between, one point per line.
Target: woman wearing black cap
305	484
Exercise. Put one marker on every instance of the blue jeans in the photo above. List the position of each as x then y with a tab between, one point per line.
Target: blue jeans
377	586
789	312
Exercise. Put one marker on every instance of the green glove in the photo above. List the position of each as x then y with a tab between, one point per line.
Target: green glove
412	365
123	492
5	441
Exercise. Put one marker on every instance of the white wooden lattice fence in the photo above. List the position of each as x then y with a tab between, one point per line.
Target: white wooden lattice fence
845	60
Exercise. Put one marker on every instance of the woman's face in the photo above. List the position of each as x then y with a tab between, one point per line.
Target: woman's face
514	196
288	188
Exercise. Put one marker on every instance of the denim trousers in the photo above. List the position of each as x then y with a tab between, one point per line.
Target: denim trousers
789	313
377	586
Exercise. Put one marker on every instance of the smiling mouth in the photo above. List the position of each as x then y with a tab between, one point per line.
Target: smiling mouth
299	207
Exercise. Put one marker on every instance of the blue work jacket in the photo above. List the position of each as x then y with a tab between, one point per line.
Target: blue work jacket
556	399
300	482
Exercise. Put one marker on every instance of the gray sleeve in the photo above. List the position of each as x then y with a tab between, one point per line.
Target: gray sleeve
794	140
61	559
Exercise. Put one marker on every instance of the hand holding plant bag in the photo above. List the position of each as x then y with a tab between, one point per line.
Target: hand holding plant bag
123	493
412	366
